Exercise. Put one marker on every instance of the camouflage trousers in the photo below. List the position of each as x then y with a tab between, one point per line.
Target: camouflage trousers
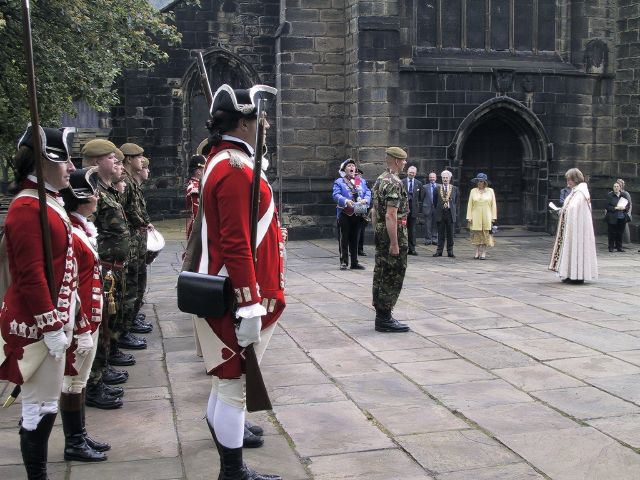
131	289
388	273
142	274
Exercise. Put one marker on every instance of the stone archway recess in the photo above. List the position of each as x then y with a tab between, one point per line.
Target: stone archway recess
222	67
537	151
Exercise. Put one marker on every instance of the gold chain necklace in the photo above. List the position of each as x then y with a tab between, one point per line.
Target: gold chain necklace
445	199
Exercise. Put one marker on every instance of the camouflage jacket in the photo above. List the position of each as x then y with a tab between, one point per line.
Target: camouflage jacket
111	222
134	203
388	191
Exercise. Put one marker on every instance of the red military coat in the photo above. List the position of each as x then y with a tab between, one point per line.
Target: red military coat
226	199
89	316
27	311
192	201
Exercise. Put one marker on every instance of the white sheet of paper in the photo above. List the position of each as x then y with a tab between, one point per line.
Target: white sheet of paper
553	206
622	203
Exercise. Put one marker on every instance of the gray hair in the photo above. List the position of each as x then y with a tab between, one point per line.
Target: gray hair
575	175
446	173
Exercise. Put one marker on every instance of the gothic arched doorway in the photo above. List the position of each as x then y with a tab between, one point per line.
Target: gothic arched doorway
494	148
504	139
222	67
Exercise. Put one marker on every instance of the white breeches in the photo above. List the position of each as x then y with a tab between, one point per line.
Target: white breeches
41	393
225	409
82	365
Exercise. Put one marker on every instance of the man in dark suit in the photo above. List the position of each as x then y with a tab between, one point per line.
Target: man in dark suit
430	190
415	193
445	213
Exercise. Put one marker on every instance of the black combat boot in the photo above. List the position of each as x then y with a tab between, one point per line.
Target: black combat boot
140	327
95	444
251	440
111	376
386	323
97	397
231	465
255	429
33	445
119	358
112	391
131	342
75	445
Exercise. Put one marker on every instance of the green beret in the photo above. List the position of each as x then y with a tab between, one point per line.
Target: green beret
145	162
396	152
119	155
131	149
98	147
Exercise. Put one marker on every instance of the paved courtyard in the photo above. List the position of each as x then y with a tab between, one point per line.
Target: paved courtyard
507	374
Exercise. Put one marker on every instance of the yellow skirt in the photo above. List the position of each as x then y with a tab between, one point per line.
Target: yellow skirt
482	237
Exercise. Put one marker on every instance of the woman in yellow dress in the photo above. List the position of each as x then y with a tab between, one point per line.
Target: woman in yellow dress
481	214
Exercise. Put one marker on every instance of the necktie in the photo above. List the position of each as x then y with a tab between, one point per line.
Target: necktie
411	186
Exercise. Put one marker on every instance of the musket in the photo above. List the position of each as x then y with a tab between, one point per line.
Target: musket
204	80
37	152
257	396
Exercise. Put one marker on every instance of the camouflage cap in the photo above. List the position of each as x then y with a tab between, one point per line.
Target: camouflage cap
131	149
98	147
396	152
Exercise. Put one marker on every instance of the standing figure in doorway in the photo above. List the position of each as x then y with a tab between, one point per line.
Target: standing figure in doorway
445	213
481	215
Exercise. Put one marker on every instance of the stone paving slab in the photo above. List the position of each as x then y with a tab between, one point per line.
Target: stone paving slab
420	418
576	454
594	367
518	471
537	377
586	402
481	393
625	428
442	372
376	465
456	450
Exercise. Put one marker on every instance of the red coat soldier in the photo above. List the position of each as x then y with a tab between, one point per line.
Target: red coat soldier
35	331
259	289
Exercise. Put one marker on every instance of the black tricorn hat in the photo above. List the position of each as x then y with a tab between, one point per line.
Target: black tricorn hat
81	186
55	142
197	161
240	100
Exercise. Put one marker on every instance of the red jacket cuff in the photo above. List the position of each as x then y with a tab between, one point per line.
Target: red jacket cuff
48	322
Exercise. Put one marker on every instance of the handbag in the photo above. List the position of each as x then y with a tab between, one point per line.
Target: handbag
627	217
204	295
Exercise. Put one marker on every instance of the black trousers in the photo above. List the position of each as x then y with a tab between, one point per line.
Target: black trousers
445	228
411	230
363	227
614	233
348	231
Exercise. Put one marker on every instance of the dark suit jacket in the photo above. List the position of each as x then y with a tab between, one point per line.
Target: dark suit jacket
612	201
418	195
427	200
453	203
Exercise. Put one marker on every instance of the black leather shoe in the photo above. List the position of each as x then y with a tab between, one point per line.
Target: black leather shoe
412	252
138	327
249	440
121	359
141	316
255	429
343	266
141	320
610	249
437	254
97	398
112	376
451	255
362	254
112	391
357	266
131	342
619	249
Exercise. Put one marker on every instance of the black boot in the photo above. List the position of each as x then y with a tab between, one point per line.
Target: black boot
250	440
112	391
386	323
75	445
119	358
231	465
111	376
255	429
96	445
33	445
96	397
140	327
131	342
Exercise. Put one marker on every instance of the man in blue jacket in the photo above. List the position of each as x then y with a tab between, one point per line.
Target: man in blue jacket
352	199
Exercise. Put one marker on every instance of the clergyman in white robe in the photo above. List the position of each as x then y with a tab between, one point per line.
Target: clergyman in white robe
574	251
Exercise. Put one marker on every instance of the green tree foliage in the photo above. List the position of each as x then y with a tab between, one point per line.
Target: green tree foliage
80	49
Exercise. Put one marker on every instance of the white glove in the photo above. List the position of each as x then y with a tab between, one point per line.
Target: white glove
248	331
85	343
56	342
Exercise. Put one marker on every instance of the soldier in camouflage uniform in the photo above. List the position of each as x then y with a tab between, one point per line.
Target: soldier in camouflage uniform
389	216
113	244
135	208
